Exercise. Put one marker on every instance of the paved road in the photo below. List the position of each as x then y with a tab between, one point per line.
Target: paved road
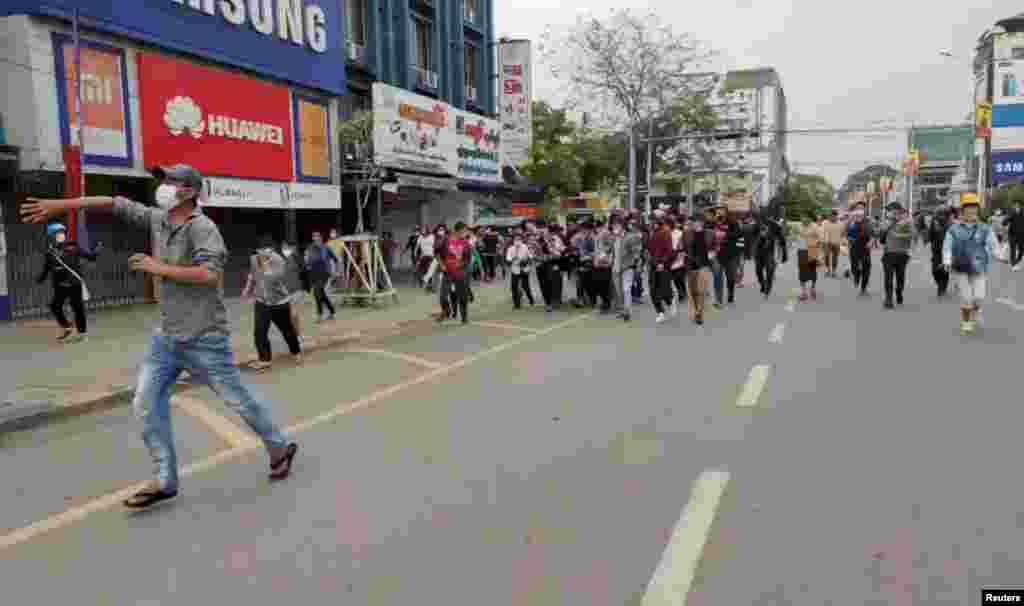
827	453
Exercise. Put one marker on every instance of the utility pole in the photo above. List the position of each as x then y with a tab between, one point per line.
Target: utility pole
650	163
632	167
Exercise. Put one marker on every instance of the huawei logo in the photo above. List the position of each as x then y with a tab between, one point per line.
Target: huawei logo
183	115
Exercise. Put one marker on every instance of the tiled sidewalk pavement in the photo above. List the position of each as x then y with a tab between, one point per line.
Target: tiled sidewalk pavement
41	379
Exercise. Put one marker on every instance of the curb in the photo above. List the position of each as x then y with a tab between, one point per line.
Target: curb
39	413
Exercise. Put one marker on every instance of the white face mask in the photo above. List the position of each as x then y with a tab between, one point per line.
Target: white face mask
166	196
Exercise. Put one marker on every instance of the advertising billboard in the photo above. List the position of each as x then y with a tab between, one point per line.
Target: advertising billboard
412	132
192	114
515	96
477	147
238	193
1007	167
299	41
943	143
312	139
106	131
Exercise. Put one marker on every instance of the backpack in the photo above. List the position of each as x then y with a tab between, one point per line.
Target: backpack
454	263
963	263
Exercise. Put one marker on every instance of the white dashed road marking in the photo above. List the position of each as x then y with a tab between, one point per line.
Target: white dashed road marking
671	582
777	333
755	386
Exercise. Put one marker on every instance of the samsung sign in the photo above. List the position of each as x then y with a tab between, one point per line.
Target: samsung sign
299	41
291	21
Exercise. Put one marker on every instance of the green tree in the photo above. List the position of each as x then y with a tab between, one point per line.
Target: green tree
804	195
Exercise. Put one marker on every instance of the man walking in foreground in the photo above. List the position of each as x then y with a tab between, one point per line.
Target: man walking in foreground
193	334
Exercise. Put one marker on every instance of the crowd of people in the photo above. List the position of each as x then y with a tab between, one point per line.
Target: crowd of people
687	260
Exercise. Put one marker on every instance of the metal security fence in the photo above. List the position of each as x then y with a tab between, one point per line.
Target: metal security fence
110	283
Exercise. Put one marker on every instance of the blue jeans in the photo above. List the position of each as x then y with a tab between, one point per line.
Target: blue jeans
207	359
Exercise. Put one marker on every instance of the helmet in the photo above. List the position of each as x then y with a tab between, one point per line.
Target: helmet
969	200
54	228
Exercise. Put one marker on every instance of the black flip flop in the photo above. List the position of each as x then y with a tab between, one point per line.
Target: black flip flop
147	497
283	466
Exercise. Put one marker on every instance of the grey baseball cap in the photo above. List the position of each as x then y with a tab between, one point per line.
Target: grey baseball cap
180	173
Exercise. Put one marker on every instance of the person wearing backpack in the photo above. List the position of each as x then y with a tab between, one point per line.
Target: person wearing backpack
967	253
898	239
769	237
860	233
456	256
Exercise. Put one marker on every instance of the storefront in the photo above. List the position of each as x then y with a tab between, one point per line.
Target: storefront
247	97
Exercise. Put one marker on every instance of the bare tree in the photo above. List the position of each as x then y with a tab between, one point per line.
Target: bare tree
626	68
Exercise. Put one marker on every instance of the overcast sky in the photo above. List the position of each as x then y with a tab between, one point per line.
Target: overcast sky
842	64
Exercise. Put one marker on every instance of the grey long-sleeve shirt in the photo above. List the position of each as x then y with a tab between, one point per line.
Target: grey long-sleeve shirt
187	311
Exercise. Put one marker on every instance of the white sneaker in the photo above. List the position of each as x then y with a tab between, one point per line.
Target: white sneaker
675	308
660	318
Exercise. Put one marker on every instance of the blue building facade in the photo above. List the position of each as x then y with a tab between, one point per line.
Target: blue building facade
438	48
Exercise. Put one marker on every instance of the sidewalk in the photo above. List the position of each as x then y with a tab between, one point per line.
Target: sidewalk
41	380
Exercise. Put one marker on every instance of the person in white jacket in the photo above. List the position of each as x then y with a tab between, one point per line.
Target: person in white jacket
519	260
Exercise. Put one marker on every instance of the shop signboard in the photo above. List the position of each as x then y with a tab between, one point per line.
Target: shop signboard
1007	167
477	147
312	139
107	131
192	114
737	201
307	196
412	132
298	41
515	96
240	193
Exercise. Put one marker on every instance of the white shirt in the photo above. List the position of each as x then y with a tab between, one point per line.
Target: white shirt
517	255
426	245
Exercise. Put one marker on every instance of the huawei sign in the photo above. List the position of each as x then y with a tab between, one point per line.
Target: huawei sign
184	116
191	113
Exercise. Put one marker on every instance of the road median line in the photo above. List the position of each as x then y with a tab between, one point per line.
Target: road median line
232	434
394	355
673	578
76	514
754	386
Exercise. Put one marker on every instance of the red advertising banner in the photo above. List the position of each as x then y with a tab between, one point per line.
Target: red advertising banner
223	124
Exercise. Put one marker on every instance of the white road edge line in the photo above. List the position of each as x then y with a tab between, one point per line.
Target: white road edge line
790	307
418	361
670	585
754	386
777	333
234	435
76	514
504	326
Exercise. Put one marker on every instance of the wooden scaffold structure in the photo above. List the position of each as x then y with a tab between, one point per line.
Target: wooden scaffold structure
365	276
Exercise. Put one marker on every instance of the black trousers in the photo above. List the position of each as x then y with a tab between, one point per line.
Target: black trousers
490	266
860	267
550	279
730	269
521	286
72	294
764	267
894	266
1016	249
600	283
459	296
941	277
679	279
661	289
584	286
322	301
281	317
